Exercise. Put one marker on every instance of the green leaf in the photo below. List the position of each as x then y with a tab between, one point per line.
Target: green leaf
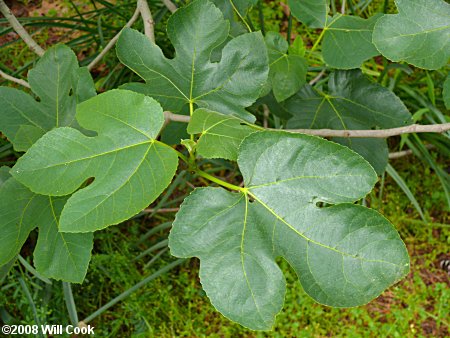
353	102
174	132
245	285
57	255
236	27
344	255
228	86
131	169
287	71
14	235
275	108
4	269
59	83
419	34
60	255
221	135
4	175
313	13
189	144
446	92
297	47
347	41
242	6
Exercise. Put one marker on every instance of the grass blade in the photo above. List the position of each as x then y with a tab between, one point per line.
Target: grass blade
159	245
155	258
70	303
33	271
4	269
158	228
422	152
402	184
30	301
134	288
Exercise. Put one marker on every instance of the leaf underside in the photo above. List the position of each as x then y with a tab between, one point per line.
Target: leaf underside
344	255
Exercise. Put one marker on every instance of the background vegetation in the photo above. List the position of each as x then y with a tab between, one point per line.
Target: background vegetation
174	304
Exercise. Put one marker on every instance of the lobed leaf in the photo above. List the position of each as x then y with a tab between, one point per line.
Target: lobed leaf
344	255
347	41
237	27
287	70
237	270
131	168
353	102
60	84
419	34
228	86
57	255
220	136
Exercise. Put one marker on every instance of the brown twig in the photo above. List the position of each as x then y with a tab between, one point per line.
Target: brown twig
114	40
149	24
20	30
176	117
190	185
343	7
403	153
14	79
170	5
317	78
162	210
381	133
266	116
